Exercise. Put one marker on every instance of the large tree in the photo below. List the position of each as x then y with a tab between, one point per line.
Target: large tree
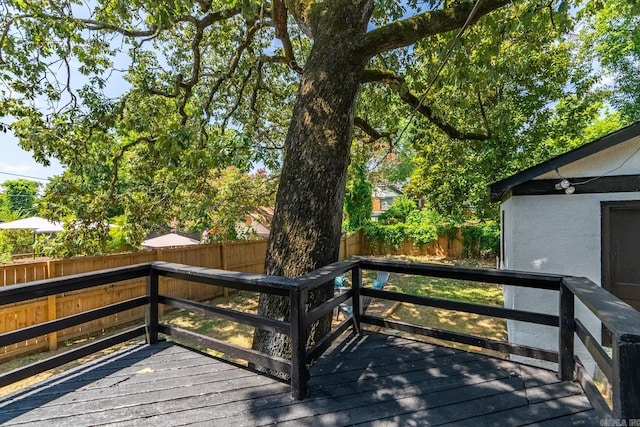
211	83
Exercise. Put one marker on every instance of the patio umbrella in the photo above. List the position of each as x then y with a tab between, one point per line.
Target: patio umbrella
169	240
34	223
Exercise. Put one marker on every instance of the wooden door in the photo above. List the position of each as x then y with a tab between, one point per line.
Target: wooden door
621	253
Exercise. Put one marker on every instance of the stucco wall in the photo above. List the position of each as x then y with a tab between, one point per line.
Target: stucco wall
553	234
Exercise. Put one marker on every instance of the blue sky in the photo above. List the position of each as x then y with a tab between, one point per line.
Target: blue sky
14	160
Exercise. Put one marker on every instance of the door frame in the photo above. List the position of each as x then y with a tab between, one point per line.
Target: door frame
605	248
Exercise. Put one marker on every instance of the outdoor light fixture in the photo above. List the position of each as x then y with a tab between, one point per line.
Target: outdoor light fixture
565	185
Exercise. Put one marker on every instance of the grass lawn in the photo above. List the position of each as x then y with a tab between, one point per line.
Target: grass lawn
457	290
231	332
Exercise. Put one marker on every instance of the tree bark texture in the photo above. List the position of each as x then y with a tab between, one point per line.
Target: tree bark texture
307	223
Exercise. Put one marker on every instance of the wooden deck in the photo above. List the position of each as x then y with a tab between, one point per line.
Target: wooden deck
368	380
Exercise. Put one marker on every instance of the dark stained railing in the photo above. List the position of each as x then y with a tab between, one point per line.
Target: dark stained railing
42	288
622	320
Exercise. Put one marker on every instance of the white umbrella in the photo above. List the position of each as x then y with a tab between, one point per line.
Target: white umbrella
169	240
34	223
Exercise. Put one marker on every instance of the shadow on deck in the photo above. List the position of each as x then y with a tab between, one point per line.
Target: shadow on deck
368	379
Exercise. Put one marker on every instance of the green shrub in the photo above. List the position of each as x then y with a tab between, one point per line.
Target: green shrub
483	236
393	235
398	212
425	226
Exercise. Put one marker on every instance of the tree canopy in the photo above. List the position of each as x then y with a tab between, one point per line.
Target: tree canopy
143	99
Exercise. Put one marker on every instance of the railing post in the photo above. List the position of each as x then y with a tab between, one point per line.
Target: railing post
567	326
299	373
626	377
151	316
356	302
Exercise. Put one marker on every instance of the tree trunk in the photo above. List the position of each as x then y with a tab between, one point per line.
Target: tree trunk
306	228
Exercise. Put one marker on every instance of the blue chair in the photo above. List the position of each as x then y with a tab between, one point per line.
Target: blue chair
382	277
340	282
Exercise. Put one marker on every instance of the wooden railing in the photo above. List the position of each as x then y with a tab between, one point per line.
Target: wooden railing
622	369
45	288
622	320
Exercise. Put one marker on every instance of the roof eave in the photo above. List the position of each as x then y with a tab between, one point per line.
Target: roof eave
500	189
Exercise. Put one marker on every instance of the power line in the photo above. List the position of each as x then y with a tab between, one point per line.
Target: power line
24	176
444	60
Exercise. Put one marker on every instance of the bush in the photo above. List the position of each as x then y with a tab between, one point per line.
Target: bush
484	236
420	226
398	212
425	226
393	235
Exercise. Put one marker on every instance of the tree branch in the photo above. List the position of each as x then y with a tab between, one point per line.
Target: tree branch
230	71
116	161
373	134
280	24
484	114
394	81
408	31
237	102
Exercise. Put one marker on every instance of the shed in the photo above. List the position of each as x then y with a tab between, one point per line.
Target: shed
575	214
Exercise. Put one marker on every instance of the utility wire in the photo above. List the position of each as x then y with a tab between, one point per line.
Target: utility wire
24	176
446	57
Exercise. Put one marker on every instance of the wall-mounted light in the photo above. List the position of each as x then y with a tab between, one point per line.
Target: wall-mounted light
565	185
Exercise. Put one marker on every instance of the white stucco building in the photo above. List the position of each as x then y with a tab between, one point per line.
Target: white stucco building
576	214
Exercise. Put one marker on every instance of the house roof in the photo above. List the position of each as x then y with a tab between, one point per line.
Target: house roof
263	215
386	190
498	189
259	222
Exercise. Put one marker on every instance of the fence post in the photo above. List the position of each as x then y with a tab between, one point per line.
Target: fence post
346	247
626	377
299	373
356	302
566	361
223	260
151	317
52	338
52	314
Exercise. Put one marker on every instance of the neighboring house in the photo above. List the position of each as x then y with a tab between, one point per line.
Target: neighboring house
382	198
576	214
257	223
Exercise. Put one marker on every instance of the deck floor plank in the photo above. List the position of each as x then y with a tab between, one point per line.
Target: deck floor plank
369	380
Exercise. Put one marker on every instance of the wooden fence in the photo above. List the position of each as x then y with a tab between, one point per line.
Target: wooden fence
246	256
444	246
